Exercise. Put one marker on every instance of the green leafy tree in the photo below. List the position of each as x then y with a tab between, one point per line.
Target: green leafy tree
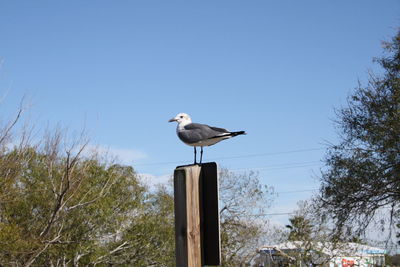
61	210
310	237
363	170
151	237
300	228
243	204
64	206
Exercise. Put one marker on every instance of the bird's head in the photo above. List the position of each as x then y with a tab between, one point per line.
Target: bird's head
181	118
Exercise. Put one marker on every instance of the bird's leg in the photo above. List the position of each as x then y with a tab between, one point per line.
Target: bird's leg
201	154
195	152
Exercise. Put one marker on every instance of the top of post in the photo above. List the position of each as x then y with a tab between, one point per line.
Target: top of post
201	165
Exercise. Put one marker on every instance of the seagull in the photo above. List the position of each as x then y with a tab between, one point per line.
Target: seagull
200	135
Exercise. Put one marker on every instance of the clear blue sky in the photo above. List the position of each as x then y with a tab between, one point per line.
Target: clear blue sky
276	69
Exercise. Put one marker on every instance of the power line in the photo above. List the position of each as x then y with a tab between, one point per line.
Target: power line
271	153
297	191
270	214
277	214
237	157
282	166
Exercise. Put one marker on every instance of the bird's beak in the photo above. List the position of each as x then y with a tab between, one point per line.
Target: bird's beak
173	119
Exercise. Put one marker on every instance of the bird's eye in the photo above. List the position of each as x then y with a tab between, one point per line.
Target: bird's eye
181	117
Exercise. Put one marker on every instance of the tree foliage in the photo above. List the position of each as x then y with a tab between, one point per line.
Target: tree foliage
363	170
300	228
151	237
55	207
309	234
243	204
64	206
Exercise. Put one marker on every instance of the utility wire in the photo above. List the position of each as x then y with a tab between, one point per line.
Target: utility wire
277	214
270	214
297	191
274	214
282	166
237	157
271	153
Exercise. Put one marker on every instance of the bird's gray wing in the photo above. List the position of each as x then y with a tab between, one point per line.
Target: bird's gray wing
196	132
220	130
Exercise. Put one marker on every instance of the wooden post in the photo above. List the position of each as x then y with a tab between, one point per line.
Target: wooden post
197	240
210	214
187	216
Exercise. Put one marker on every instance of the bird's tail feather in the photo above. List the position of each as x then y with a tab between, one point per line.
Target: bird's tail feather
228	135
237	133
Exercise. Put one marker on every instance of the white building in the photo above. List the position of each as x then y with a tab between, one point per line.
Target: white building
298	253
